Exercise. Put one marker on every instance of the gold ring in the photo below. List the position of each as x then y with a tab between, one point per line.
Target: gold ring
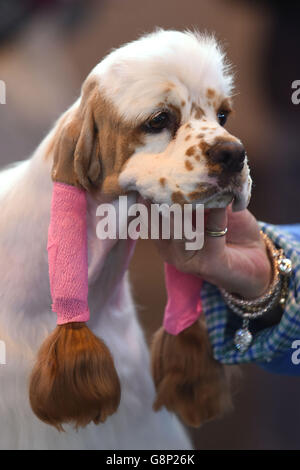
221	233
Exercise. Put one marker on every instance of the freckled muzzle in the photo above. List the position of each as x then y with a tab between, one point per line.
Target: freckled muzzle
200	165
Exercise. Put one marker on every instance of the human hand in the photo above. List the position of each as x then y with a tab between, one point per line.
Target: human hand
237	262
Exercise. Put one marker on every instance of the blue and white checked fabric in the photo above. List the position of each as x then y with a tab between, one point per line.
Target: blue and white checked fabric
270	342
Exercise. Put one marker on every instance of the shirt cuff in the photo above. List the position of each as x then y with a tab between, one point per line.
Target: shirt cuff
269	343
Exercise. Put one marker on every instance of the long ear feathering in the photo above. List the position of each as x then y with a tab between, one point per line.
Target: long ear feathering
76	150
74	379
188	380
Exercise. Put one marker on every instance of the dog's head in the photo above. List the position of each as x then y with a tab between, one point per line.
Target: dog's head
151	119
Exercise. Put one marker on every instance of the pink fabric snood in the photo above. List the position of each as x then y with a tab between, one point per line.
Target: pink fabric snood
184	303
68	267
67	254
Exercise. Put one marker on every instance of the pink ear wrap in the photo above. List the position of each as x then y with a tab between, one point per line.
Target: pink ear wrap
74	379
67	254
184	303
68	267
187	378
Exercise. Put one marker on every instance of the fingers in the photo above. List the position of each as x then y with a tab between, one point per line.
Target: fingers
243	228
216	222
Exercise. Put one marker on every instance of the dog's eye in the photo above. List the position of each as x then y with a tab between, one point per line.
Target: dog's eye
222	117
158	122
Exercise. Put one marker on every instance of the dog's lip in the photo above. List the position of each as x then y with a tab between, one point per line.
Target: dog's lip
210	199
218	194
221	198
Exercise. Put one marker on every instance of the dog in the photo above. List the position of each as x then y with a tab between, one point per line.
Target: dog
150	120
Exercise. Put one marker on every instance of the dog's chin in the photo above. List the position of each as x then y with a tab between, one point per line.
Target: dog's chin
238	196
221	200
240	202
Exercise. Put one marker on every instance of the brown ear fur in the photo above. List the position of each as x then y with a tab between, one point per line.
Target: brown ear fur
74	379
188	380
76	151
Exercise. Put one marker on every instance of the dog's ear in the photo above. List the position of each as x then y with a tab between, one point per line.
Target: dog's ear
188	380
76	149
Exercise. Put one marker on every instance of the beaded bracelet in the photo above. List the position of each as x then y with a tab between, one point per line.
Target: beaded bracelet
276	294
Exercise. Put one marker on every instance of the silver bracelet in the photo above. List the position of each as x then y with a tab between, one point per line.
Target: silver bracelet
276	294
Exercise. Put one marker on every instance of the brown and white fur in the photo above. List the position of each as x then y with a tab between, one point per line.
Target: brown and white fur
185	75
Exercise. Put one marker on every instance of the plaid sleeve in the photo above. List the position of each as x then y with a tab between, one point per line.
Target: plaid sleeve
269	343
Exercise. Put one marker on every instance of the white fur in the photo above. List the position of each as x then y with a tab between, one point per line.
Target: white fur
135	77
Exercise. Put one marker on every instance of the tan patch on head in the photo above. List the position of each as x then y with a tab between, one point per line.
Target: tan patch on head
190	151
204	128
162	182
183	103
210	93
187	137
188	126
86	157
199	136
188	165
220	103
170	85
226	105
178	198
198	112
223	105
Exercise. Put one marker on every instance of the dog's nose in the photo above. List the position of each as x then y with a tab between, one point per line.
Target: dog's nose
230	155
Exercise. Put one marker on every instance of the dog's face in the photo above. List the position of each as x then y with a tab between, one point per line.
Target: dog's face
151	119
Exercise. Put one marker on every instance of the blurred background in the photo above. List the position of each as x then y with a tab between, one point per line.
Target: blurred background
47	47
